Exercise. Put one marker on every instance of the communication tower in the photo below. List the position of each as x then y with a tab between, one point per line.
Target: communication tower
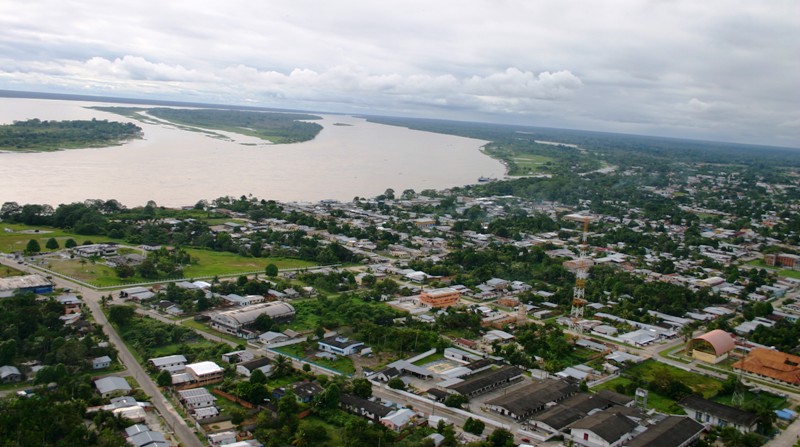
581	265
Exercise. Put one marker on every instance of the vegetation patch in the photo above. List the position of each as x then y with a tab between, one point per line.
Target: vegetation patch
35	135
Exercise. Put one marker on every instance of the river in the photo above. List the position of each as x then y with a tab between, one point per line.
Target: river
176	167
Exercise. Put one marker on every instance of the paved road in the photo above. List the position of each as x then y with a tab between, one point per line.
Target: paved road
174	421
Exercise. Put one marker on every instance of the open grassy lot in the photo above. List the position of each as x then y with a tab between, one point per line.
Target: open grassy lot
430	359
654	400
341	364
781	272
529	163
5	272
17	238
94	273
650	370
204	328
212	263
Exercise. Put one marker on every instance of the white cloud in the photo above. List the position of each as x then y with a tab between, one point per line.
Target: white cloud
623	65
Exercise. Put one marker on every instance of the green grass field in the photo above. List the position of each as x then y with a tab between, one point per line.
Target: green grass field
18	238
6	272
781	272
529	163
212	263
430	359
341	364
654	400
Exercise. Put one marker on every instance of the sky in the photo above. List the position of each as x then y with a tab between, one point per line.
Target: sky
726	70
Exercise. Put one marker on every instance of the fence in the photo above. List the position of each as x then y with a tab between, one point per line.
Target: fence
122	284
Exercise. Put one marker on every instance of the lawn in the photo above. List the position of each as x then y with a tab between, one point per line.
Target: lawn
530	163
342	364
781	272
196	325
94	273
700	384
6	272
18	237
654	400
211	263
430	359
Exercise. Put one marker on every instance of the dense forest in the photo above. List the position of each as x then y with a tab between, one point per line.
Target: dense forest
37	135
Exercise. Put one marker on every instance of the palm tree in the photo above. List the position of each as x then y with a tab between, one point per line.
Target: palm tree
282	365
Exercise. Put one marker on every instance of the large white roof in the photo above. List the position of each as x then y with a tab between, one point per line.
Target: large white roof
203	368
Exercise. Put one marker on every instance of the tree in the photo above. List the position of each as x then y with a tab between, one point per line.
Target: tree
258	377
501	438
282	365
237	416
33	247
271	270
474	426
70	243
397	384
455	400
164	378
287	411
263	323
362	388
120	315
51	244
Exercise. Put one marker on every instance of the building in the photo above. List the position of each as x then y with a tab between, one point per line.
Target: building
772	364
363	407
713	414
439	298
101	362
399	419
196	398
339	345
22	284
525	401
171	363
100	250
782	260
712	347
487	381
602	429
236	322
264	364
673	431
112	386
9	374
221	438
205	373
136	294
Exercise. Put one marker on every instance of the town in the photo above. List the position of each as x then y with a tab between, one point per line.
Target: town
654	309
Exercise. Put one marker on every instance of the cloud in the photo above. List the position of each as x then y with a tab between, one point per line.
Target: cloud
629	65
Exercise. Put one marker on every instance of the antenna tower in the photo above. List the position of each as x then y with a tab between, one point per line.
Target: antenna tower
582	266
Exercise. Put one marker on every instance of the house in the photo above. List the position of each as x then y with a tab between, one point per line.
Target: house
712	347
304	391
339	345
71	303
602	429
264	364
148	439
399	419
237	356
136	294
221	438
9	374
495	335
714	414
171	363
205	373
371	410
22	284
196	398
205	413
101	362
270	337
101	250
237	321
672	431
112	386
